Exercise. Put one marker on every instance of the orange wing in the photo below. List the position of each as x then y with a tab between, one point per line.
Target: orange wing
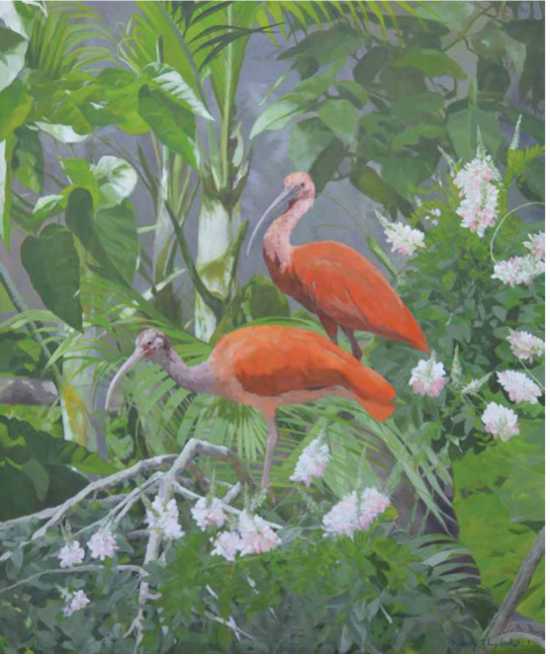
272	360
344	285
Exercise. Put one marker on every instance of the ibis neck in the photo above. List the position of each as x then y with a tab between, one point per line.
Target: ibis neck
197	379
277	245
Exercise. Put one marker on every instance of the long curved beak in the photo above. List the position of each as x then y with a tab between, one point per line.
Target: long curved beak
136	357
287	194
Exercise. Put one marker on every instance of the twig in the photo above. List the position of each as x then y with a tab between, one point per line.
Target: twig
499	226
75	570
520	586
56	514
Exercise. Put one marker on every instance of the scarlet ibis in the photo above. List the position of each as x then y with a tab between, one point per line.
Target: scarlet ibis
266	367
331	279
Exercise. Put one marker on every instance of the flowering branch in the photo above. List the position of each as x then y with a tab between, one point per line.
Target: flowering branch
495	233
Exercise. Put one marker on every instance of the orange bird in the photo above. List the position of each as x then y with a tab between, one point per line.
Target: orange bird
266	367
332	280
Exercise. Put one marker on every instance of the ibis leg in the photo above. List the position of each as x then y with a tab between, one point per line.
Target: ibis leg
272	438
330	326
355	348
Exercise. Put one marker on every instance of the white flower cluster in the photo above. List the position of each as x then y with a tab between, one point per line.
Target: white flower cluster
164	519
312	462
518	270
428	377
102	545
479	196
536	246
209	512
75	601
253	536
500	421
519	386
355	513
71	554
524	345
403	238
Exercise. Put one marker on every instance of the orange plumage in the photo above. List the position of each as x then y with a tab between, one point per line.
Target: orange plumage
333	281
269	366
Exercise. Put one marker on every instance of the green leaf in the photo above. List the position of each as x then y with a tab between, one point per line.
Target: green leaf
454	15
110	236
52	262
308	139
15	104
369	65
462	128
48	206
116	180
413	107
404	174
277	116
367	181
354	92
433	63
171	124
341	117
171	82
117	232
28	159
12	59
326	166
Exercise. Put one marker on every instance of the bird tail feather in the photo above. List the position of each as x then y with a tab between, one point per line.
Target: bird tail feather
372	391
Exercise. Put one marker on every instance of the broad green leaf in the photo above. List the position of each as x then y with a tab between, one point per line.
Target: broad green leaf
463	126
52	262
116	230
64	133
371	184
14	20
277	116
308	139
327	164
171	124
355	91
28	159
12	58
324	46
116	180
404	174
48	206
171	82
413	107
316	85
454	15
110	236
15	104
341	117
433	63
368	67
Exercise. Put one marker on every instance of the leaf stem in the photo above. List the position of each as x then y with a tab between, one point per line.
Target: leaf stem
495	233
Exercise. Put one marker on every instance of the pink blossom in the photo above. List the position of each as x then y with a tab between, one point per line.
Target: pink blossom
519	386
524	345
102	545
76	601
518	270
71	554
209	513
403	238
164	520
256	535
536	245
479	198
500	421
227	544
312	462
428	378
350	515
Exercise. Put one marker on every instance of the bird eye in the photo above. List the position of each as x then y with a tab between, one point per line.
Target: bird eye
303	185
149	343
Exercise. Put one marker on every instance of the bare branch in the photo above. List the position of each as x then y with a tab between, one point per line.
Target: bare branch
520	586
27	391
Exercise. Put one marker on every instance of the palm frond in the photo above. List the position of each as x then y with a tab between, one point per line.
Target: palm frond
59	42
